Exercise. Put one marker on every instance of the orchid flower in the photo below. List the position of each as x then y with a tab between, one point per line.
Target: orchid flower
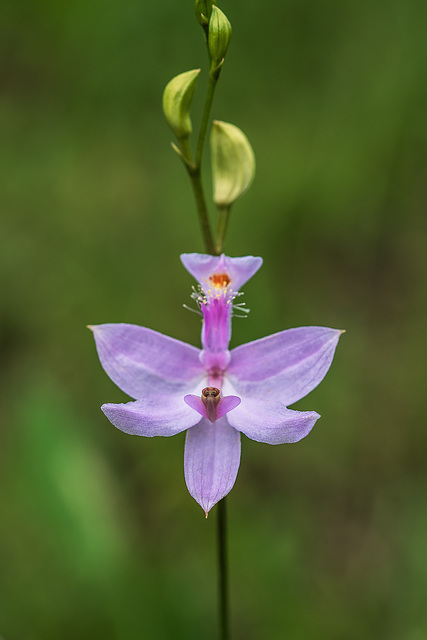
214	394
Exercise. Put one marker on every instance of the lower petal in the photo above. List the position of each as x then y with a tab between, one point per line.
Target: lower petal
152	416
271	422
211	461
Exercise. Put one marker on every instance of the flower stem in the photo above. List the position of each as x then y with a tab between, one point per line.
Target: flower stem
221	229
213	79
223	611
199	195
194	168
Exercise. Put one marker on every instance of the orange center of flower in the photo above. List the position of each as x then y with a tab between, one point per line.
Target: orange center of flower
220	280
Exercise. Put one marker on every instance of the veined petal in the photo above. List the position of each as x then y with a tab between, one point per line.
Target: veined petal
141	361
161	415
203	266
216	330
211	461
284	366
271	422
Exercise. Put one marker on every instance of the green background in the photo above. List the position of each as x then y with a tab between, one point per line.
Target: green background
99	537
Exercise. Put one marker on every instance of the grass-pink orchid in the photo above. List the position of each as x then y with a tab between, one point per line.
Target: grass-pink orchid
213	393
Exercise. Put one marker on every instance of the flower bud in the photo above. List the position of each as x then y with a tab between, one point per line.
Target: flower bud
177	98
219	34
203	10
233	162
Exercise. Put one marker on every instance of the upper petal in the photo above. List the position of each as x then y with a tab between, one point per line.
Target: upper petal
161	415
284	366
203	266
271	422
211	461
141	361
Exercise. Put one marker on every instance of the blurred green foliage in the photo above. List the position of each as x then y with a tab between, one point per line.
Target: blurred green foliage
99	537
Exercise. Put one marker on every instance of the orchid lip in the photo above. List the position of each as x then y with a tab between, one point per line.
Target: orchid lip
209	269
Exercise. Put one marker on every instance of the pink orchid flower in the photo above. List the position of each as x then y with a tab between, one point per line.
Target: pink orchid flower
214	394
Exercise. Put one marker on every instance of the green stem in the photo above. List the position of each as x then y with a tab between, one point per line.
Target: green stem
194	168
221	229
196	182
213	80
223	571
185	149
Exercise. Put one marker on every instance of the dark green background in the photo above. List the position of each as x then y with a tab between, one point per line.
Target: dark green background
99	537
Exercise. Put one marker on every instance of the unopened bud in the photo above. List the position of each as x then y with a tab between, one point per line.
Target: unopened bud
219	34
233	162
177	98
203	10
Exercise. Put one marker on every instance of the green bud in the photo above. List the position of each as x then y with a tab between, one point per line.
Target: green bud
219	34
233	162
203	10
177	98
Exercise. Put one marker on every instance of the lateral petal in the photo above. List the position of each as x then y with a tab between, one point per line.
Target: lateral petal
161	415
211	461
227	404
141	361
285	366
195	402
202	266
271	422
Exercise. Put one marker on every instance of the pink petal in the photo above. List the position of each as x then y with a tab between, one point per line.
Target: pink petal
211	461
201	266
226	404
196	403
285	366
152	416
271	422
141	361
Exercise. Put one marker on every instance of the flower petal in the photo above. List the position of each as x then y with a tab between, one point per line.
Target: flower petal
196	403
141	361
211	461
227	404
285	366
271	422
223	406
202	266
161	415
